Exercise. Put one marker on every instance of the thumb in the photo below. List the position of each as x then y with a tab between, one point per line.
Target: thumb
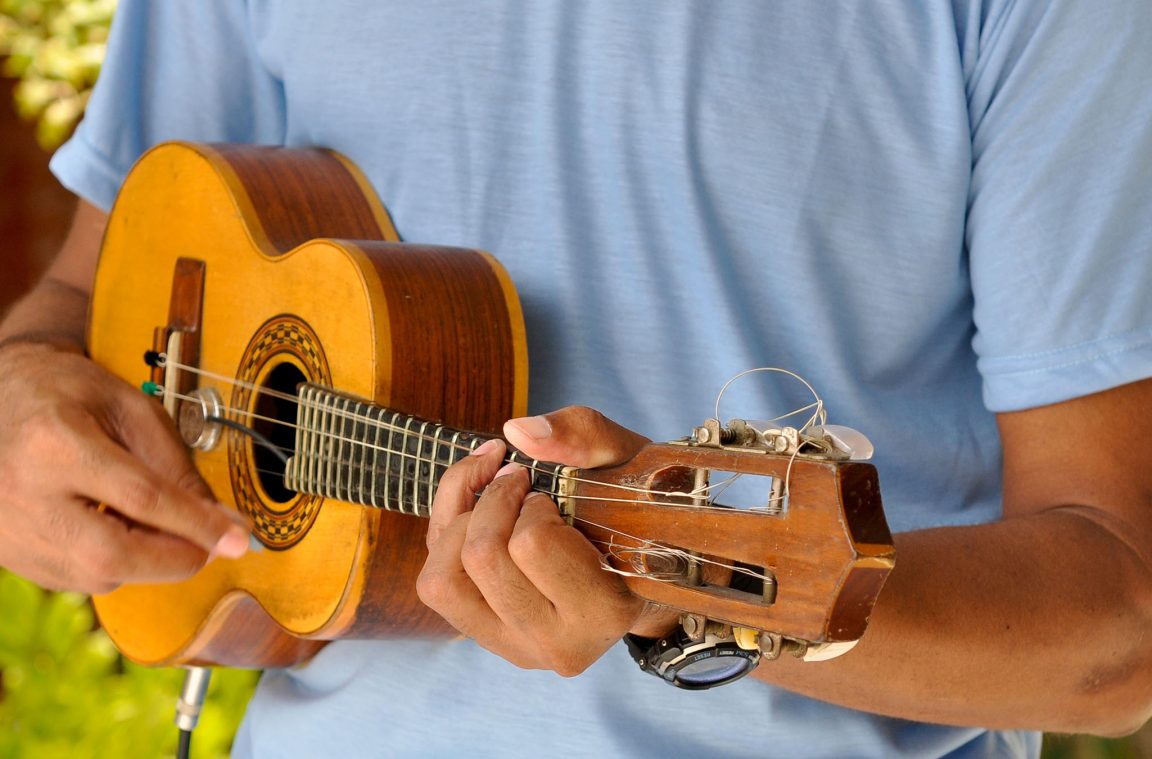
575	436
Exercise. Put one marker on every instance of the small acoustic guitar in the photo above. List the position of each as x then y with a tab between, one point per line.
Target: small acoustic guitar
324	376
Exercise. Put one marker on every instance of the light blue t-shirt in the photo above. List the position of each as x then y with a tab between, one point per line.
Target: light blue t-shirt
931	210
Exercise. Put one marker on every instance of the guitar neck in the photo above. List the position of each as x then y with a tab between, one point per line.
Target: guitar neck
820	562
358	452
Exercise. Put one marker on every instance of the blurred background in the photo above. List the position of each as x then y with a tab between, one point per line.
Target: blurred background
64	690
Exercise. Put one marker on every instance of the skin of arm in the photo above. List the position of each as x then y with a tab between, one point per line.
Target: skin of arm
73	436
1037	621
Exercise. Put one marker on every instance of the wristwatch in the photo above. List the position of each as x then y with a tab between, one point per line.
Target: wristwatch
715	659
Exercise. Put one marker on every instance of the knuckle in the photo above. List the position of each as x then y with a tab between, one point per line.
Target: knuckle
480	554
140	498
531	545
452	479
561	660
584	417
434	589
190	481
104	567
48	431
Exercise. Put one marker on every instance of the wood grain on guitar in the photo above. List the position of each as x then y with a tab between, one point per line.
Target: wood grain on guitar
374	365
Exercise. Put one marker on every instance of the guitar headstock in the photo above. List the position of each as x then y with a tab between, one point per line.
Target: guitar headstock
798	526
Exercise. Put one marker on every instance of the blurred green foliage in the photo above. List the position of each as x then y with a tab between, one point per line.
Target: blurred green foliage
54	47
66	692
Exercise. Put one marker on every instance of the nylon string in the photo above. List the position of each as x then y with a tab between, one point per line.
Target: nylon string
638	556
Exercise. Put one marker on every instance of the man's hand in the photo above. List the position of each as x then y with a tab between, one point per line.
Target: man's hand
73	437
505	569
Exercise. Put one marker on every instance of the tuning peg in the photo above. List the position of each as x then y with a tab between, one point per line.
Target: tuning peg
846	440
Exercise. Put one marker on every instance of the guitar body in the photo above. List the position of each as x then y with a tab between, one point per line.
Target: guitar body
246	255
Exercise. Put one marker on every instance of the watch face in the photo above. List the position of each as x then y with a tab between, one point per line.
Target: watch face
693	664
713	670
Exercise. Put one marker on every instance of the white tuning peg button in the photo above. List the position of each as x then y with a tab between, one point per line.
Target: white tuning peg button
850	441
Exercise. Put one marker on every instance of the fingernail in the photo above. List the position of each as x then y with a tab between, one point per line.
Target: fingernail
535	427
508	469
232	544
486	447
254	543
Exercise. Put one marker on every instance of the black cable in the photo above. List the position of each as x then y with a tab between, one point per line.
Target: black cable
184	748
257	436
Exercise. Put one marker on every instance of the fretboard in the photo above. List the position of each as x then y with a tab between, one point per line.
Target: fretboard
358	452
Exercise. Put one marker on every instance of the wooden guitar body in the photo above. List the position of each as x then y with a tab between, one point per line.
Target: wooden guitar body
278	266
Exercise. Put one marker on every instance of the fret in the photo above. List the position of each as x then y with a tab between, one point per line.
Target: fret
544	476
330	448
340	443
314	444
379	413
401	499
432	479
313	459
389	446
352	480
411	459
359	457
418	470
363	453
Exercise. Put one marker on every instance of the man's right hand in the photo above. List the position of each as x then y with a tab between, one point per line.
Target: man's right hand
97	488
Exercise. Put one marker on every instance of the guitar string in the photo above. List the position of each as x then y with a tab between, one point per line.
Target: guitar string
820	416
702	492
532	465
639	554
639	557
648	548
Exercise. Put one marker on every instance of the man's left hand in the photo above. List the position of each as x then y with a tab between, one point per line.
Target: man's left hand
505	569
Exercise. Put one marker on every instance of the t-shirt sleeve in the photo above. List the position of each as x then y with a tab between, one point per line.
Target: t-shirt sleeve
174	71
1059	229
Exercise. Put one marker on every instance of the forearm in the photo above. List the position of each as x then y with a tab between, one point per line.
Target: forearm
1036	622
53	312
56	310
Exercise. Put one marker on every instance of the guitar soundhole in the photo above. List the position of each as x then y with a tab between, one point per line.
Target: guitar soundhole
282	353
275	419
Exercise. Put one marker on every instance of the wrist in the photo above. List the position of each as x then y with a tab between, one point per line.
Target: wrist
59	341
655	621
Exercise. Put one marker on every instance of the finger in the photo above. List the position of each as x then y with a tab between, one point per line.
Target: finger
576	436
108	473
485	553
560	562
116	552
456	493
445	587
93	552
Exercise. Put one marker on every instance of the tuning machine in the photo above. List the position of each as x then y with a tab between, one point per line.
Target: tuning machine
832	442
